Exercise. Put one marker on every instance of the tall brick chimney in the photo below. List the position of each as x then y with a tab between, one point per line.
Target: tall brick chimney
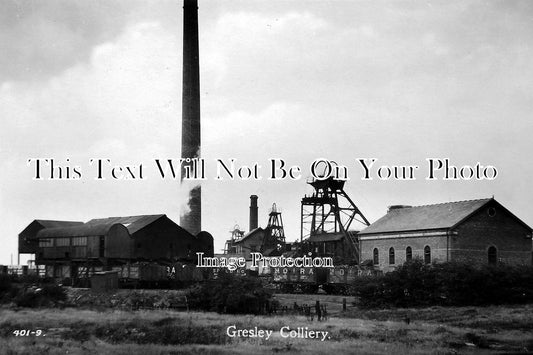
253	212
190	132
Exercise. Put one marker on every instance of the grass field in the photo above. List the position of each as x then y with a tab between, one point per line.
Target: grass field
435	330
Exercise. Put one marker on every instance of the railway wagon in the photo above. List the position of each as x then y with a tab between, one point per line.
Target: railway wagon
152	274
159	275
309	279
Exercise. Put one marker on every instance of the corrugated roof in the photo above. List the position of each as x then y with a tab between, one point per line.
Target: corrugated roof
99	226
249	234
438	216
83	230
133	223
54	224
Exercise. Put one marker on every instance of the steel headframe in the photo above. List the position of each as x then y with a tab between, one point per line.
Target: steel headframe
329	210
274	233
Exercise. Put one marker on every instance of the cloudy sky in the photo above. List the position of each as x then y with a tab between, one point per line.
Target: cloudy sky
400	81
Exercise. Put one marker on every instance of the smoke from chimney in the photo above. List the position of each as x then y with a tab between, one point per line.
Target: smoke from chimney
190	131
253	212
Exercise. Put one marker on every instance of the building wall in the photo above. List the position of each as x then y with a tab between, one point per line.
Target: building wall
58	271
118	242
437	244
252	243
469	242
91	250
28	242
164	239
205	243
483	230
52	253
27	238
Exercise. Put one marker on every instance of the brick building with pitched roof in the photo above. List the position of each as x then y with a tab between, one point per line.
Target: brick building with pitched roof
475	231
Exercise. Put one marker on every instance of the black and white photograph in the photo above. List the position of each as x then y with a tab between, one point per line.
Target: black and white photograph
266	176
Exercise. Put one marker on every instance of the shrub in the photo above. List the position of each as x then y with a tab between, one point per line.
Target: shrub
5	284
418	284
230	294
8	288
34	296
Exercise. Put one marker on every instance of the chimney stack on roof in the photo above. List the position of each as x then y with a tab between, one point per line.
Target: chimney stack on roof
397	207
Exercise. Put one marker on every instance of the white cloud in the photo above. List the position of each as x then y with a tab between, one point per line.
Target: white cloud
123	104
127	90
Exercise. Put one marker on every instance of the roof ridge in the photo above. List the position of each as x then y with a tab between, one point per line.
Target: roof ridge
452	202
56	220
137	215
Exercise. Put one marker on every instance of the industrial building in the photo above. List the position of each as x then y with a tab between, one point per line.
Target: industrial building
476	231
269	241
99	244
28	243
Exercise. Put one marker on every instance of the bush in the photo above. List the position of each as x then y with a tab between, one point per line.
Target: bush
8	288
34	296
448	284
5	284
230	294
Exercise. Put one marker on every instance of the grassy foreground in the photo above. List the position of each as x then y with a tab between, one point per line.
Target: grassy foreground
435	330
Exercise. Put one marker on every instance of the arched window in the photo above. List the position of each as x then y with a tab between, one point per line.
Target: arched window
427	254
391	256
376	256
408	254
493	255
